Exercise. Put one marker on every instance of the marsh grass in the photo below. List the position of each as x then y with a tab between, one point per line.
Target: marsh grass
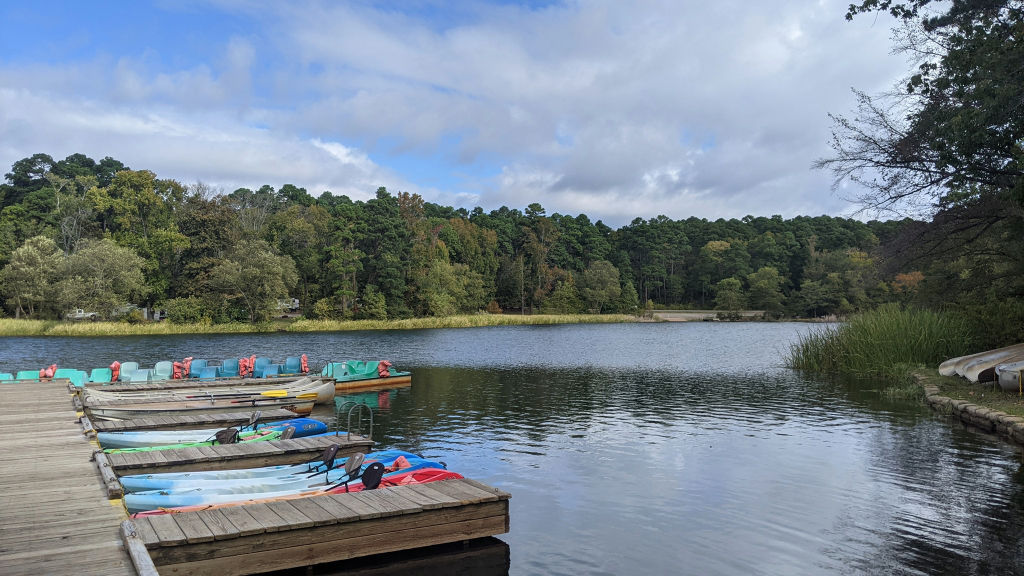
884	343
12	327
464	321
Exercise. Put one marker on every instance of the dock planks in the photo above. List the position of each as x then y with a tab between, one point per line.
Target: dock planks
55	517
320	529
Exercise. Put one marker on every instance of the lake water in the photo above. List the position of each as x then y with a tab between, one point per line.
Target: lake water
683	448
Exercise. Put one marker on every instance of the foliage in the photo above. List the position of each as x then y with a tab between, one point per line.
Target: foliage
729	295
373	306
254	277
600	284
101	276
427	260
28	278
185	310
877	343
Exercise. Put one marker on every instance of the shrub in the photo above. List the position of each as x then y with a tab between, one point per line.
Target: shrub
185	310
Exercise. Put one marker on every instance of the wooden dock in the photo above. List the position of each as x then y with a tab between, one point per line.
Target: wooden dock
55	517
321	529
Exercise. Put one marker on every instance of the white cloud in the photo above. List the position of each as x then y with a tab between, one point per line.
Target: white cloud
610	108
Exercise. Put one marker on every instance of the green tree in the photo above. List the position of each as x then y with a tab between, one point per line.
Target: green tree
729	295
957	131
101	276
373	305
765	292
255	277
600	284
27	279
628	301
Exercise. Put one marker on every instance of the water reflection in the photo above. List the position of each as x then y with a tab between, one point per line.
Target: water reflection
668	448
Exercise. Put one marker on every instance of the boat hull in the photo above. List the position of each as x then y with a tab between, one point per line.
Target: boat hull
301	407
341	387
141	438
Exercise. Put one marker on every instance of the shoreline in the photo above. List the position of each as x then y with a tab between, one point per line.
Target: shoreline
10	327
1008	425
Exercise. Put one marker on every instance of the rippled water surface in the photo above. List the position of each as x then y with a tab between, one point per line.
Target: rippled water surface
665	448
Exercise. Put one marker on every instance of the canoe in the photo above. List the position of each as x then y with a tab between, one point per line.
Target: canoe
974	369
1009	375
357	374
302	406
300	480
169	480
261	435
324	390
139	438
149	506
957	365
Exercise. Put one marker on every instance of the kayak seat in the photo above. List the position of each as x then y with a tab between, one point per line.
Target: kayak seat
226	436
127	369
163	370
372	476
101	375
196	367
287	433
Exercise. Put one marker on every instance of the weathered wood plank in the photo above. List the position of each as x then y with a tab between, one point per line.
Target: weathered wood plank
137	550
167	530
219	525
313	511
466	493
194	529
146	533
242	520
290	514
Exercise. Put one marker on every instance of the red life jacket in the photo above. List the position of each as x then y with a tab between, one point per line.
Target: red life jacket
382	369
305	364
186	364
115	371
178	371
243	367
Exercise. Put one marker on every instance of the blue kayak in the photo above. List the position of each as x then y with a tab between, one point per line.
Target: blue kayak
222	493
143	438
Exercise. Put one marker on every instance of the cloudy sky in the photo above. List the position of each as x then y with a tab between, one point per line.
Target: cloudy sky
609	108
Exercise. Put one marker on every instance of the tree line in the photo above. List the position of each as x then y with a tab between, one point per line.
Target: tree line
77	233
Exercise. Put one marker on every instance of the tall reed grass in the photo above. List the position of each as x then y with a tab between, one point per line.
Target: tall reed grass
463	321
882	343
12	327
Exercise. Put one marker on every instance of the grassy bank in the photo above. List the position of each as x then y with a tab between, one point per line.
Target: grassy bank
886	342
12	327
987	395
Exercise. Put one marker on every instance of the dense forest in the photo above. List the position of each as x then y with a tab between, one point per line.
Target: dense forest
77	233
